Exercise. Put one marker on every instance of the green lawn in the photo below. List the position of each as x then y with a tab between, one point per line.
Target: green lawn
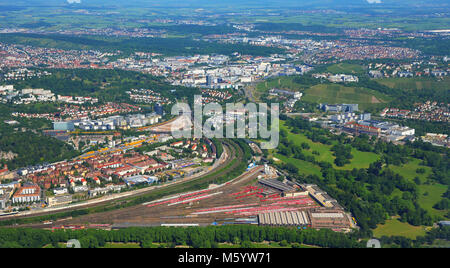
328	93
305	168
361	160
408	170
397	228
434	195
434	191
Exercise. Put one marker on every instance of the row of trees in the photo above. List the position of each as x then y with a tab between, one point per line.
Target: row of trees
197	237
206	237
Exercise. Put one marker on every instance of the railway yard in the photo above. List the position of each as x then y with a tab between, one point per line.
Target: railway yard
257	197
248	199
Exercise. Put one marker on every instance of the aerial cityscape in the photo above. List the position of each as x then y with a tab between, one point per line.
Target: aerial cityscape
335	132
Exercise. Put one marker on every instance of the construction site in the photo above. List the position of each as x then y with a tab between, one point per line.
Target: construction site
256	197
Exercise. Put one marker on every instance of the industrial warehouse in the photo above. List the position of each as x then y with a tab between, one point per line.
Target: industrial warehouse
290	218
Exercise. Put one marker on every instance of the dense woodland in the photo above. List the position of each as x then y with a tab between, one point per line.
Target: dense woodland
32	148
28	143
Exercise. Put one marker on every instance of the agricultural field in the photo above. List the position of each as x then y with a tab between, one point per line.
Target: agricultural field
346	68
337	93
337	21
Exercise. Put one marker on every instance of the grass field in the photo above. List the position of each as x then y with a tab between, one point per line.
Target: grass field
429	195
338	93
408	170
396	228
305	168
439	243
